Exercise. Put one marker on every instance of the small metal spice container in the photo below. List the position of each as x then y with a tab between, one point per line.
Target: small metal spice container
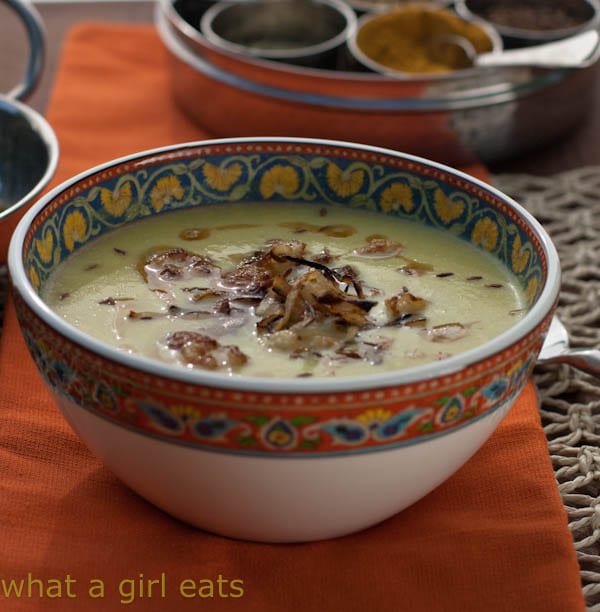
306	33
409	41
523	23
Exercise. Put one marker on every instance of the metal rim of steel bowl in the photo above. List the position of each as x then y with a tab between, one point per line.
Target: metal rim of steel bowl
224	19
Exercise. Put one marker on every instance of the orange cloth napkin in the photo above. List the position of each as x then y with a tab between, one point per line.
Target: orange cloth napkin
493	538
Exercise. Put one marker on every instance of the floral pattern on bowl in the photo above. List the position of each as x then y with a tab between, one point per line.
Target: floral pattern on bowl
251	173
261	422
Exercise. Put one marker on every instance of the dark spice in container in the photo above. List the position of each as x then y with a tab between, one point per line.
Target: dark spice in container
533	15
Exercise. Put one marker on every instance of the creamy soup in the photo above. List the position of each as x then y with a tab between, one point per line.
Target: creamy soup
282	290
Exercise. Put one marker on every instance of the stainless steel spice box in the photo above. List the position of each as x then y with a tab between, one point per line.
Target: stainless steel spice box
466	116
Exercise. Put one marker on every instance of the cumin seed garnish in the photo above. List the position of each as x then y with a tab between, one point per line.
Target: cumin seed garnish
111	301
90	267
119	251
495	286
63	296
139	316
445	274
474	278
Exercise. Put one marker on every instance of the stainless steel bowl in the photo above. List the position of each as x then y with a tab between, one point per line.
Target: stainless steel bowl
475	116
303	32
28	145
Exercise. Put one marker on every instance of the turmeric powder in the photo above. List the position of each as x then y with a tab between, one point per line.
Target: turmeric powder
401	39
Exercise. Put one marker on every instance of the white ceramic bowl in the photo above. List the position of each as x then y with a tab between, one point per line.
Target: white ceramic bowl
279	460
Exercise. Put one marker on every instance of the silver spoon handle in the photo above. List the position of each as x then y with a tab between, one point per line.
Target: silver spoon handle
587	360
577	51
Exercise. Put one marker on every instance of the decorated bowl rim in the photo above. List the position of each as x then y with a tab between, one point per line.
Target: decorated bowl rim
535	317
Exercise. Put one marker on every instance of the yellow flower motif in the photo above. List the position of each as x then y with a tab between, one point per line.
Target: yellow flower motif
34	278
514	368
45	247
74	229
185	410
221	178
374	415
519	256
485	233
452	412
166	189
446	209
118	201
531	290
279	437
396	196
281	180
344	183
105	398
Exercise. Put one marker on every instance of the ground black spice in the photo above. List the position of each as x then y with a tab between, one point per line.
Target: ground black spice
534	15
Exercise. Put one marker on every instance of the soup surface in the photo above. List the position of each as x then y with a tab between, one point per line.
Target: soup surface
285	290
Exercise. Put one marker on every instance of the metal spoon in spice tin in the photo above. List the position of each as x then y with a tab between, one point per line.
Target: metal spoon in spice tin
579	51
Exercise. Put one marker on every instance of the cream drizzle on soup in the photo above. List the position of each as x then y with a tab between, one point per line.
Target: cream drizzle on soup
280	290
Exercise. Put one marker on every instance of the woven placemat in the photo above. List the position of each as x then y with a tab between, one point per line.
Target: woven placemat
568	207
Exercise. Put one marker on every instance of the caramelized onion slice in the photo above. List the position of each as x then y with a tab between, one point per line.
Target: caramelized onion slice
200	350
448	332
379	248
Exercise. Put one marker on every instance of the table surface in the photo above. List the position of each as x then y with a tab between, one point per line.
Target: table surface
581	148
